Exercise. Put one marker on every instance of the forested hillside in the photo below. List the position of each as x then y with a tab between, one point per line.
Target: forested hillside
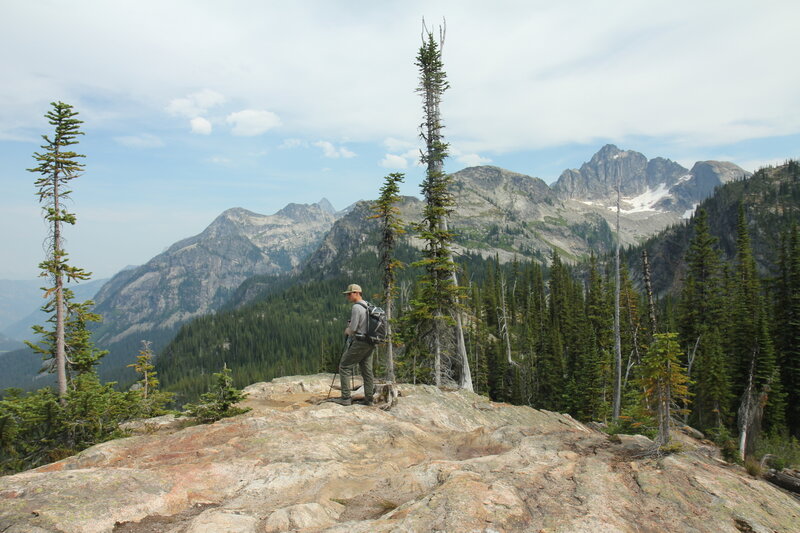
771	199
541	335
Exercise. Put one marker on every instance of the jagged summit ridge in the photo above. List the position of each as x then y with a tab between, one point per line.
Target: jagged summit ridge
438	460
646	185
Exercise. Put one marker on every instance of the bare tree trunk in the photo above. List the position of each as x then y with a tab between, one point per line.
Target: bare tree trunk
60	355
503	322
466	374
635	337
667	401
651	307
747	412
390	342
689	375
465	379
437	349
617	340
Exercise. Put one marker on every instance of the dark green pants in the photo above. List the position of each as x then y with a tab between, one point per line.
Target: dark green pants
357	353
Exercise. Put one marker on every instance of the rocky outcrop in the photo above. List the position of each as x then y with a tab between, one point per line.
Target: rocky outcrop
438	461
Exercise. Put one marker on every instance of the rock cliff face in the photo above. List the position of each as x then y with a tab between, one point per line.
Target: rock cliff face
657	185
438	461
195	275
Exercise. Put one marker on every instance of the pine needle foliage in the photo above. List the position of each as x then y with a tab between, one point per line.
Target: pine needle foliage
386	210
664	381
57	167
152	400
218	403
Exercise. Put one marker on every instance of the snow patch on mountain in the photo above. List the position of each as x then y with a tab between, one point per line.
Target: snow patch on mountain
689	212
645	201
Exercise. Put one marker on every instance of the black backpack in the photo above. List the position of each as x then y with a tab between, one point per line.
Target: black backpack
376	323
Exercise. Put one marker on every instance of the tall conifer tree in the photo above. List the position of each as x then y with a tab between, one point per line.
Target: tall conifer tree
391	226
439	297
759	386
57	166
700	320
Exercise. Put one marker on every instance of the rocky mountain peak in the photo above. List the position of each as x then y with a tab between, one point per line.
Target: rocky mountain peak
656	185
326	206
597	179
303	212
435	461
488	178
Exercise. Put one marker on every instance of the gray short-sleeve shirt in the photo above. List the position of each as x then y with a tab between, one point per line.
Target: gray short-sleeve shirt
358	319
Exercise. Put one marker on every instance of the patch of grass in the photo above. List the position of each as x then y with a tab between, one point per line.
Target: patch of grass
753	467
785	450
728	446
673	446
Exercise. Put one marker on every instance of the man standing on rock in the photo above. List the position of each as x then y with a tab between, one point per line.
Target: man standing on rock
358	350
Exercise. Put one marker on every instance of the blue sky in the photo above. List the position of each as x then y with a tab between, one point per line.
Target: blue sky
193	107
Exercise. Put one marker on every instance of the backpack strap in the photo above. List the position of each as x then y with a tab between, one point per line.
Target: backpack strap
366	307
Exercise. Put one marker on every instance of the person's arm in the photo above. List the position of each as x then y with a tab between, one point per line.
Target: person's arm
353	321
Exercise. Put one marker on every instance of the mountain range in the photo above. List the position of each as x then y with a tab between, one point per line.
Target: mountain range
498	213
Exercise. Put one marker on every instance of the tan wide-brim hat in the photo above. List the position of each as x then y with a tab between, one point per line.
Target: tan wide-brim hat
352	288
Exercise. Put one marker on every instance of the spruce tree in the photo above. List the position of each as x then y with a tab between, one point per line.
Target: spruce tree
152	399
664	380
219	402
762	399
391	226
700	319
440	291
791	357
57	166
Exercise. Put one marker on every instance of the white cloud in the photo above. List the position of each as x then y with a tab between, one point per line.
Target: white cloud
329	150
144	140
397	145
219	160
473	160
200	125
195	104
414	155
249	122
571	72
393	161
288	144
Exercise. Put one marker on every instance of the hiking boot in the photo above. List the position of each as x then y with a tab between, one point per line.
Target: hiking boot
363	402
341	401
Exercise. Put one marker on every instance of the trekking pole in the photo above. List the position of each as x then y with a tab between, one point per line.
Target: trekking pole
336	372
332	382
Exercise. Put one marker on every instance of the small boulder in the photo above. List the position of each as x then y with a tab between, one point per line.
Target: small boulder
635	444
301	516
221	520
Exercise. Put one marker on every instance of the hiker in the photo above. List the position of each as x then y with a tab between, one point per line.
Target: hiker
358	350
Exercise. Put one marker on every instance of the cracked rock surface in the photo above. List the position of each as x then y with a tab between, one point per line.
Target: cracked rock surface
446	461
